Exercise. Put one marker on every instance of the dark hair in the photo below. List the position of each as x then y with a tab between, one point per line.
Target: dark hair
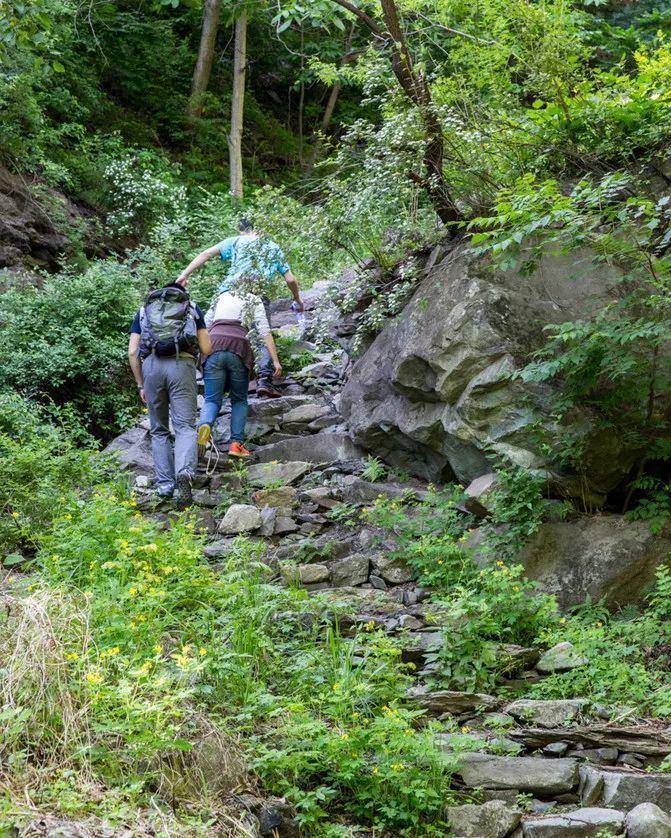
245	224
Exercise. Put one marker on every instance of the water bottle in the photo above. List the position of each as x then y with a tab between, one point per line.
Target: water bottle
300	318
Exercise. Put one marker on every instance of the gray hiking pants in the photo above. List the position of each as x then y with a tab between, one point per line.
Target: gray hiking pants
171	393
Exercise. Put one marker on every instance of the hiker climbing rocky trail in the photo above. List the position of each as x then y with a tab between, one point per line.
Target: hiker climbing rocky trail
536	768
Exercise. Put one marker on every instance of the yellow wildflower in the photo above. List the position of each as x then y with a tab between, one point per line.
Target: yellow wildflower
113	651
562	620
465	729
158	649
67	516
132	592
599	624
337	686
15	514
375	770
355	715
344	736
93	677
202	651
72	656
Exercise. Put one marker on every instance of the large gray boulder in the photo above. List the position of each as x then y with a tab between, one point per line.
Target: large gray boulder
133	448
648	821
606	556
430	396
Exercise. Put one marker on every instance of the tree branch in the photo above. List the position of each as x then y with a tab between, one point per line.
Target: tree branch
370	23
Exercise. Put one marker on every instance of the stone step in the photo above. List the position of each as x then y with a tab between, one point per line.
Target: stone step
319	448
581	823
526	774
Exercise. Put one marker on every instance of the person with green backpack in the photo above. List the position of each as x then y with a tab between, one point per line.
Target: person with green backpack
254	262
166	335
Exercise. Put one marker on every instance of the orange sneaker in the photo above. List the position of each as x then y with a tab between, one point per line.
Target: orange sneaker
237	449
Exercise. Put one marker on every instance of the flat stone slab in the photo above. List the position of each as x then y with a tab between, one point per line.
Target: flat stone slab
284	497
529	774
304	574
490	820
438	702
582	823
304	413
624	789
266	473
318	448
547	713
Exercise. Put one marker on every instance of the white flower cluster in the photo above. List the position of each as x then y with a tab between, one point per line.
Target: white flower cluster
139	198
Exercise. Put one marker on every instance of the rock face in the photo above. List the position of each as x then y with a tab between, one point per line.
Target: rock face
27	232
429	396
604	556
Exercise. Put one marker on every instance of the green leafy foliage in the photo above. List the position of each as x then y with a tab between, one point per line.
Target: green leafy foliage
66	341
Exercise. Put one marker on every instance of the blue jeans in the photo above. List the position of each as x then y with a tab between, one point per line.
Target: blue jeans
225	371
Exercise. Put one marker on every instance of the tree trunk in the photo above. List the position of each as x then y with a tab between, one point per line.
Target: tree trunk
238	105
203	68
416	88
330	105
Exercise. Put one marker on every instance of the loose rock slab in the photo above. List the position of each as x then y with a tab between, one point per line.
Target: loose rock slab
438	702
560	658
240	518
530	774
582	823
624	789
648	821
491	820
265	473
547	713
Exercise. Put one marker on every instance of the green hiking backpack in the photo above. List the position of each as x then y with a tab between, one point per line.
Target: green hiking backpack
168	323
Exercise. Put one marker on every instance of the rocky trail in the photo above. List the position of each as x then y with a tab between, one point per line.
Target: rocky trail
537	768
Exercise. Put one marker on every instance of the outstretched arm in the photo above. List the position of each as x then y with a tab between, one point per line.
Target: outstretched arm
292	282
196	263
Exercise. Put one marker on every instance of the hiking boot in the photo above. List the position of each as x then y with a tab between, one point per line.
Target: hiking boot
204	433
237	449
265	388
183	496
